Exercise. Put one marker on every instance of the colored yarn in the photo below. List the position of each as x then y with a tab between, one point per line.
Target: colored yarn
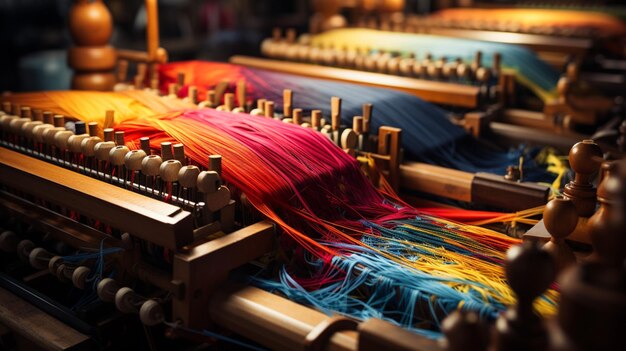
90	106
318	196
427	133
529	70
604	24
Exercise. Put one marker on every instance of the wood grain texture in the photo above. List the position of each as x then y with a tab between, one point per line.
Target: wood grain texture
431	91
37	326
146	218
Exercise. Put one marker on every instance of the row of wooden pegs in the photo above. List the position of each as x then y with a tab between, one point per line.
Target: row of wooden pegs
420	24
349	139
379	61
108	158
126	299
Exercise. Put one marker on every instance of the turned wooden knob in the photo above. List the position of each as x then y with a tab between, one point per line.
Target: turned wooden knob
50	133
38	132
348	139
27	128
151	165
90	23
169	170
133	159
560	217
61	139
88	145
117	155
585	158
102	149
15	126
75	142
188	176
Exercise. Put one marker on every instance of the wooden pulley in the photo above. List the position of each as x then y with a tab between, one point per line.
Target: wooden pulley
79	276
54	263
133	159
107	289
38	258
117	155
126	300
8	241
151	165
151	313
88	145
102	150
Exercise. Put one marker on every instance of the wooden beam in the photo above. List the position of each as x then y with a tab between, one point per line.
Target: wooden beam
141	216
431	91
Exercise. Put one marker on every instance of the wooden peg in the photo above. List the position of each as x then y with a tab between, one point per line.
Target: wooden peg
560	218
229	101
241	94
297	116
497	63
92	128
109	119
260	109
269	109
348	139
171	91
193	95
16	109
6	107
109	134
180	81
215	164
316	116
357	124
368	109
59	121
585	158
119	138
335	113
287	103
179	153
48	117
26	112
166	151
144	144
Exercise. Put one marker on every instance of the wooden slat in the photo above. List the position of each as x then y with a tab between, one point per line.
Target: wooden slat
445	182
431	91
146	218
37	326
204	267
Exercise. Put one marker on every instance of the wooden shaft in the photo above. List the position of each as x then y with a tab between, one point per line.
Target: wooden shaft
445	182
152	33
241	93
270	320
335	112
287	102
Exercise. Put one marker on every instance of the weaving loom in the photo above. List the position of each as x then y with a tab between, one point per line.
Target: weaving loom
207	205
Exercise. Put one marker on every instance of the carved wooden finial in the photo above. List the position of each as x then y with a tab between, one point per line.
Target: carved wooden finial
560	218
529	271
92	59
585	158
